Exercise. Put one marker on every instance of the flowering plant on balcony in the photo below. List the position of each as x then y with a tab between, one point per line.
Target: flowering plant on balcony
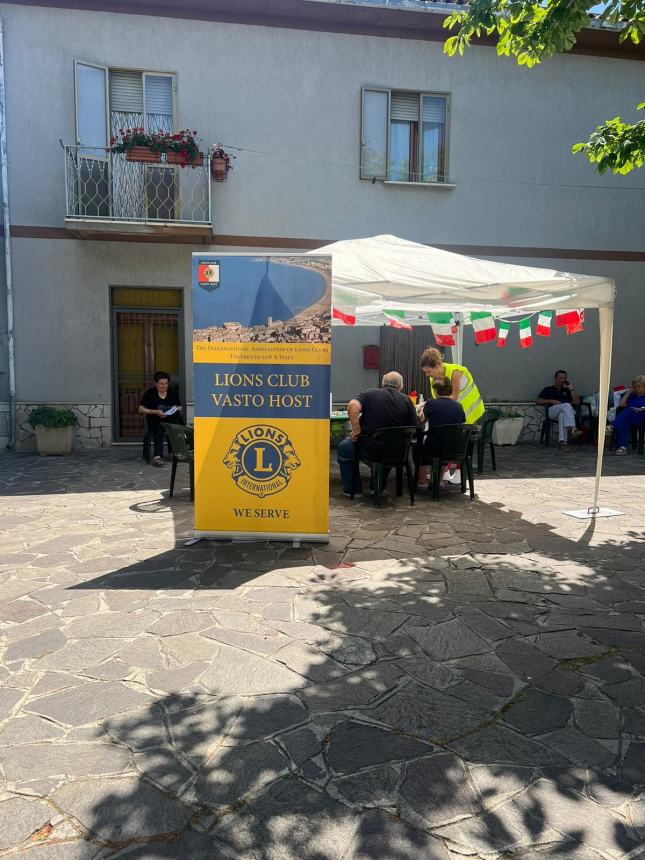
182	145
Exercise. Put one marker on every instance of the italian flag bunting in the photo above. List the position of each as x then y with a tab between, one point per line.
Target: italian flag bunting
396	319
526	338
502	333
484	326
577	326
344	307
345	314
544	323
442	328
567	317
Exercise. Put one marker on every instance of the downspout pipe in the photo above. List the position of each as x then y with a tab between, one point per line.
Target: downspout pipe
4	178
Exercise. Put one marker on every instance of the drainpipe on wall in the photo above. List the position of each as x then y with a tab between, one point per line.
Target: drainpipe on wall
4	178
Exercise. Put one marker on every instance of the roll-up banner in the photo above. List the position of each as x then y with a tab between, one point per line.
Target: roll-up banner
261	362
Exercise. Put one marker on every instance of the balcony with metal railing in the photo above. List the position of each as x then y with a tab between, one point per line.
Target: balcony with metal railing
105	191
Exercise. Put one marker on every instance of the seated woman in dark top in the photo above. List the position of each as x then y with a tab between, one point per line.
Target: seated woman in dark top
442	410
161	405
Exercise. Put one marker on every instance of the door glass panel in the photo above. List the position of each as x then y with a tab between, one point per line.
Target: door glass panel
161	193
93	187
126	111
166	345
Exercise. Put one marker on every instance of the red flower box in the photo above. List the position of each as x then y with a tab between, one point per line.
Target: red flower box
143	153
184	160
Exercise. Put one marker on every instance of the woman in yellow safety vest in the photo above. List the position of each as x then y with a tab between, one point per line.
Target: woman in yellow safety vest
463	385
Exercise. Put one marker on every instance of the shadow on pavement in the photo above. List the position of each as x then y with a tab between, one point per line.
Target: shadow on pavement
447	680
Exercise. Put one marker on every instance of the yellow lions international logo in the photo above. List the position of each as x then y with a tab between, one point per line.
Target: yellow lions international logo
262	460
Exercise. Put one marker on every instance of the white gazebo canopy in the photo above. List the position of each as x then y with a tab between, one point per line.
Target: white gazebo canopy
384	272
387	272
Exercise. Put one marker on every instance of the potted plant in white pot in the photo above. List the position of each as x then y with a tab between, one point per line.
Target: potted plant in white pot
508	428
54	429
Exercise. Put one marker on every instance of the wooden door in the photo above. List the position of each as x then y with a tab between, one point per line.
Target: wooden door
144	341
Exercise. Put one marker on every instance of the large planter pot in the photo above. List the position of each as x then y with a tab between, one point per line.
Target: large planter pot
183	161
54	440
143	153
506	431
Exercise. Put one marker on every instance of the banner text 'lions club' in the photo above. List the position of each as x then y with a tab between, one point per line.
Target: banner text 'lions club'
261	361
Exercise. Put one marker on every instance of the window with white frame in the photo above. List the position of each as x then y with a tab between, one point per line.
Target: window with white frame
404	135
110	99
107	101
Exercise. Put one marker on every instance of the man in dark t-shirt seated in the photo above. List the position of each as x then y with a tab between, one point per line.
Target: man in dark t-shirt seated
373	409
560	400
160	405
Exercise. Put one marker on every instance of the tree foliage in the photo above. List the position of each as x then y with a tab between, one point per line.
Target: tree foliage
532	31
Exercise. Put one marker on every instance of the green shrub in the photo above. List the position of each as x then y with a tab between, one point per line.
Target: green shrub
47	416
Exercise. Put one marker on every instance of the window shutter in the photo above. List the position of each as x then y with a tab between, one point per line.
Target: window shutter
405	106
433	109
159	95
374	133
126	92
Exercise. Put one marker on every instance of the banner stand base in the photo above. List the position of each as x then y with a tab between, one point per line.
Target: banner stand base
254	537
593	513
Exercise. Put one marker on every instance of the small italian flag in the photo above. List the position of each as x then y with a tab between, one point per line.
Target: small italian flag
344	307
396	319
567	317
443	325
502	334
544	323
344	313
574	327
526	338
484	326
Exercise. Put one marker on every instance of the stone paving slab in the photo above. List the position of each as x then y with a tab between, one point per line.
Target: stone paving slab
454	679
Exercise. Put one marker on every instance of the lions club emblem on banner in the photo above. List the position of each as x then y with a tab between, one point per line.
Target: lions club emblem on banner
262	460
208	275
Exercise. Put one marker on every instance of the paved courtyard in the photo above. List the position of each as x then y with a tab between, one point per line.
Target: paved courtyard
454	679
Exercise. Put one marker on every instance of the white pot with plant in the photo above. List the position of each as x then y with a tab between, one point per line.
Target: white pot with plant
54	429
508	428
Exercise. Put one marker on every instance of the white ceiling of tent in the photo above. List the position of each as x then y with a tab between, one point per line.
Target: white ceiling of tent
385	272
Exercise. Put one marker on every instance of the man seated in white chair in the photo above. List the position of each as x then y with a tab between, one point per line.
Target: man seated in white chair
560	400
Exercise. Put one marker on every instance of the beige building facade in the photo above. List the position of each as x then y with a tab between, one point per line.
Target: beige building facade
346	120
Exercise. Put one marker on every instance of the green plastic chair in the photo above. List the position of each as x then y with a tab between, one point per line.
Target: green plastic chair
181	441
456	446
485	437
396	455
